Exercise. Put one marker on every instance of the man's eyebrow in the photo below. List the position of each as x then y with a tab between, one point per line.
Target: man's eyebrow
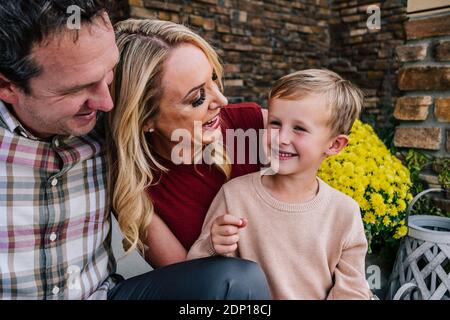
193	89
77	88
80	87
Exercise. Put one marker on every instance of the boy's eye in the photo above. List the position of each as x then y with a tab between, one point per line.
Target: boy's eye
199	101
297	128
275	123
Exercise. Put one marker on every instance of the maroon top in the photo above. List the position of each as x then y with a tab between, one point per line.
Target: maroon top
183	196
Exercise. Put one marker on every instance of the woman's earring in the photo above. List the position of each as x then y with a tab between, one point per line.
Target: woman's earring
151	130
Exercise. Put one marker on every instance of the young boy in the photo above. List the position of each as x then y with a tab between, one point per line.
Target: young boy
308	237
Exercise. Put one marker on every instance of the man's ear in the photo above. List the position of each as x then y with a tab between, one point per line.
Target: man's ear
8	92
338	143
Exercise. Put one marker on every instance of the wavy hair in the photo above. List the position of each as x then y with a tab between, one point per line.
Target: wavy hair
144	46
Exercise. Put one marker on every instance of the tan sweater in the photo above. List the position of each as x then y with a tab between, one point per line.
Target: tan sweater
312	250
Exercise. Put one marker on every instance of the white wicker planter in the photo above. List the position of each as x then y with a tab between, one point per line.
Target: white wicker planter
422	266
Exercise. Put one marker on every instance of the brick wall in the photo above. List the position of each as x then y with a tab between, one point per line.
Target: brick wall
367	56
424	108
258	41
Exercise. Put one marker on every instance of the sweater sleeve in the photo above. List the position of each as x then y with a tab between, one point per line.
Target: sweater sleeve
349	275
203	245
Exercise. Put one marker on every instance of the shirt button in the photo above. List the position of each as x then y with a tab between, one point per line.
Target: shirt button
53	236
56	143
54	182
55	290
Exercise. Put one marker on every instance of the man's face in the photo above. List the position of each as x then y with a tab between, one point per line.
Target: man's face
73	86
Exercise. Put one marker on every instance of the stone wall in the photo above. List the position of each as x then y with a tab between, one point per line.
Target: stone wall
367	55
424	109
258	41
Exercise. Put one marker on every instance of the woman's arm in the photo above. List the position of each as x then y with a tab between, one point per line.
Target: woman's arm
163	247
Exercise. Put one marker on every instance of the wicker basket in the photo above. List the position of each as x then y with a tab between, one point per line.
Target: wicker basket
422	266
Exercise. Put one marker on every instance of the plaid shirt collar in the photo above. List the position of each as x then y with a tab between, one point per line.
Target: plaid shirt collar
12	124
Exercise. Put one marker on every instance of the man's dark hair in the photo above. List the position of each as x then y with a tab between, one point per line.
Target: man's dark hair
25	23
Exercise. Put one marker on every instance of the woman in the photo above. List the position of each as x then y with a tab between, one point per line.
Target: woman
168	80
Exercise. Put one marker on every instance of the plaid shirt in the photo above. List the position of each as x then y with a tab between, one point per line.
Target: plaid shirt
55	230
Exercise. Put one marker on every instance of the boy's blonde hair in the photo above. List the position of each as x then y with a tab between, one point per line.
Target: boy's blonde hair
343	97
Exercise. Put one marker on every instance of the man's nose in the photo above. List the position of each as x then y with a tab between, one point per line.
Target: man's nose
101	98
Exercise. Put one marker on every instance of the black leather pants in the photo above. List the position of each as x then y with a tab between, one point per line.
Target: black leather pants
209	278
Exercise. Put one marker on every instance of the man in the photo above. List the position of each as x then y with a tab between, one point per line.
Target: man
55	223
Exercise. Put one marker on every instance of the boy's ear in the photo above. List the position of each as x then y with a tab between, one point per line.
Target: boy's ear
7	91
338	143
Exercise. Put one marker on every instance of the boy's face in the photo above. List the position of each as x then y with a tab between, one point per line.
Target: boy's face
303	131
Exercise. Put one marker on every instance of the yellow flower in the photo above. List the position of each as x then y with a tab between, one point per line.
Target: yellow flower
400	232
401	205
393	211
366	171
369	218
376	199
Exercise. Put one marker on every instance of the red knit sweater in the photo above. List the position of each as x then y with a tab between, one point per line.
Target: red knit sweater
183	195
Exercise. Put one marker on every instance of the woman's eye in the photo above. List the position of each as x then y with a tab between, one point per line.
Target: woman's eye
199	101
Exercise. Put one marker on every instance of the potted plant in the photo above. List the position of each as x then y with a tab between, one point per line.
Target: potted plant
440	164
441	167
444	180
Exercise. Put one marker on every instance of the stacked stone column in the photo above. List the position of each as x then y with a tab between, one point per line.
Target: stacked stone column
424	109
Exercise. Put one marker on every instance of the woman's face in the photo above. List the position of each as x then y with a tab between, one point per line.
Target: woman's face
190	95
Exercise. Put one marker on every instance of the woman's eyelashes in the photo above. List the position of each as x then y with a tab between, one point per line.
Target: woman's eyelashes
202	97
199	101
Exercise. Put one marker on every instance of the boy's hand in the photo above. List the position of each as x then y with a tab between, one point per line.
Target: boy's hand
225	233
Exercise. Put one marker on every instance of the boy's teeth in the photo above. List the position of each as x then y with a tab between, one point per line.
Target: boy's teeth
283	154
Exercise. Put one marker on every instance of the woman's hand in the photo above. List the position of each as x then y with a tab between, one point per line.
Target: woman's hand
225	233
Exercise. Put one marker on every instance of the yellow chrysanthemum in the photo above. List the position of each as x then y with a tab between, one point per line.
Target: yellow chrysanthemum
400	232
366	171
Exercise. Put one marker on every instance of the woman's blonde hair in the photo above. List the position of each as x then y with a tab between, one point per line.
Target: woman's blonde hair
144	46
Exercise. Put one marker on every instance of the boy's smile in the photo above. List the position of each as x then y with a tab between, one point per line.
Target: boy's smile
283	155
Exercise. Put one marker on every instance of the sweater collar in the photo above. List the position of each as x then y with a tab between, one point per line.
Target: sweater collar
320	200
